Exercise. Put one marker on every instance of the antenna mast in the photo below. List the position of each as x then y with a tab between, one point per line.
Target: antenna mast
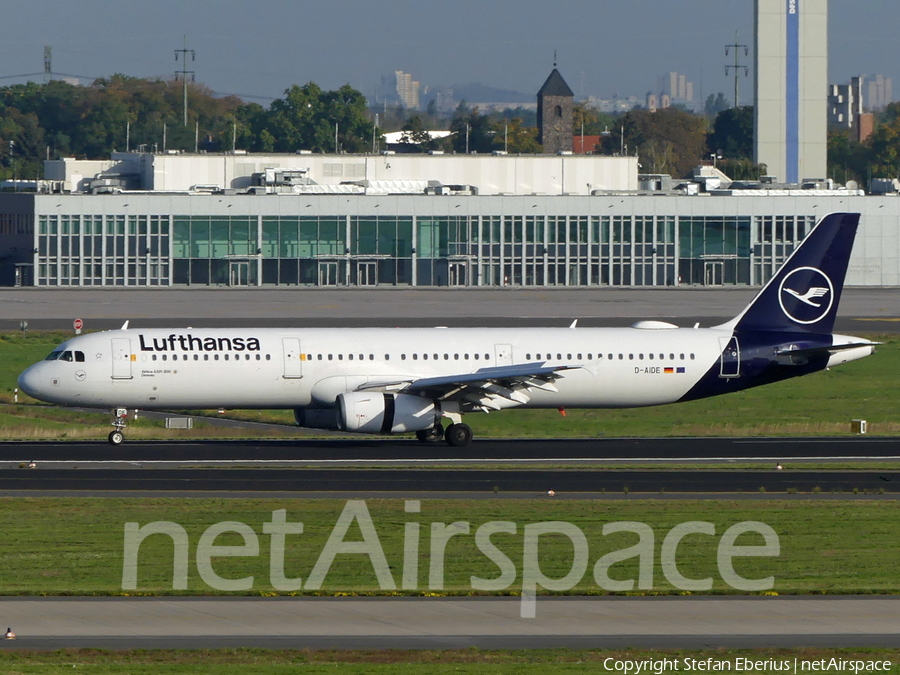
184	72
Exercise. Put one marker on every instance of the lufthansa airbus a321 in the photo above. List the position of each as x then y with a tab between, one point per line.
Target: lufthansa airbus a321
399	380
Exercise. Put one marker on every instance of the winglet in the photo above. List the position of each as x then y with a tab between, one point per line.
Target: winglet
125	325
574	323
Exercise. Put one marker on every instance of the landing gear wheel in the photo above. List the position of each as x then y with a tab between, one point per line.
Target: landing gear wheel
432	435
115	437
458	435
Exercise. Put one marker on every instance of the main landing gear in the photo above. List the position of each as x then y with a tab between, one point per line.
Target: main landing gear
457	435
432	435
120	418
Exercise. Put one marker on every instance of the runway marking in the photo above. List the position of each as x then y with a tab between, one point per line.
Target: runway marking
854	439
492	460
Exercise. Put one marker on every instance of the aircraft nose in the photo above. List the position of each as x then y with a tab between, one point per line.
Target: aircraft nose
30	381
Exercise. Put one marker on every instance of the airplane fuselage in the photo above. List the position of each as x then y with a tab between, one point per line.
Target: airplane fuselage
283	368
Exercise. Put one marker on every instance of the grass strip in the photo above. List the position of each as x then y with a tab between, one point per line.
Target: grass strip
401	662
75	546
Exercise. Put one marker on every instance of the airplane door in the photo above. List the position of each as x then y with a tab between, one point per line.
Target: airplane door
121	358
503	355
293	358
730	361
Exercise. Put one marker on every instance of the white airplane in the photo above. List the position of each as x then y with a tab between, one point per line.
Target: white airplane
399	380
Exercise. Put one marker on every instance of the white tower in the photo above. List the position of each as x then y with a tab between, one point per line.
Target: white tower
791	87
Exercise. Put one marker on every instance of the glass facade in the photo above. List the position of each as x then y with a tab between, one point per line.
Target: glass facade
94	250
408	250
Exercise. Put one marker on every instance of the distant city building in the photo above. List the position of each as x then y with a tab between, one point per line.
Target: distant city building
555	114
879	93
407	90
444	100
791	87
585	145
865	127
845	103
652	102
400	88
679	90
615	104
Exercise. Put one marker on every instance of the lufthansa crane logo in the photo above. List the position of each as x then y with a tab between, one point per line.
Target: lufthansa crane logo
806	295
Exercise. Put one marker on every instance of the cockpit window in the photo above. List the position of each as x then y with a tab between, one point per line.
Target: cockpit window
79	357
65	356
52	356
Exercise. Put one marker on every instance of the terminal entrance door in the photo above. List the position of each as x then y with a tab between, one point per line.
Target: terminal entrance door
713	273
367	273
328	273
458	273
239	273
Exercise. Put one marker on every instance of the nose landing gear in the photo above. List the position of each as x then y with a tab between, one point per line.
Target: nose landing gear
120	418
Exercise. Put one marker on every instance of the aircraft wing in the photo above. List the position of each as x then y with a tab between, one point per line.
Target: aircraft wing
485	389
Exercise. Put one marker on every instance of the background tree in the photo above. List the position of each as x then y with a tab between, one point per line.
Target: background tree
417	137
518	137
595	121
670	140
715	103
732	133
481	133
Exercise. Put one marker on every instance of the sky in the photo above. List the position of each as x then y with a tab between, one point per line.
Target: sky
259	48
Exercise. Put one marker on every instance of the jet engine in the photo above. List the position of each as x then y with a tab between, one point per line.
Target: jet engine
382	413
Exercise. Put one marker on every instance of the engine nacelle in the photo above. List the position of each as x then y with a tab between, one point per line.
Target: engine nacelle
316	418
382	413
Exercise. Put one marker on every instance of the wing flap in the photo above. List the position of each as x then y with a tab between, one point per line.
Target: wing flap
491	388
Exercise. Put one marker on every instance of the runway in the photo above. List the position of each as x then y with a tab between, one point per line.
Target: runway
389	451
487	468
452	623
487	482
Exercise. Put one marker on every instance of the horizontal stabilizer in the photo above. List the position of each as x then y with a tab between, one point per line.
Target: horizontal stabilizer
812	351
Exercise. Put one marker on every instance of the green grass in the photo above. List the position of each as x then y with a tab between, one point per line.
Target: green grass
402	662
819	404
74	546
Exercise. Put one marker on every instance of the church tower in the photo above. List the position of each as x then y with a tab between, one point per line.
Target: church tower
555	114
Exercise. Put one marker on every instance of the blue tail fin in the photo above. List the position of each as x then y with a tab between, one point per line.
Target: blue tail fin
804	294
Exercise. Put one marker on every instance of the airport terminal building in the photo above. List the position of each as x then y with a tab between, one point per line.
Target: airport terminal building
338	221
